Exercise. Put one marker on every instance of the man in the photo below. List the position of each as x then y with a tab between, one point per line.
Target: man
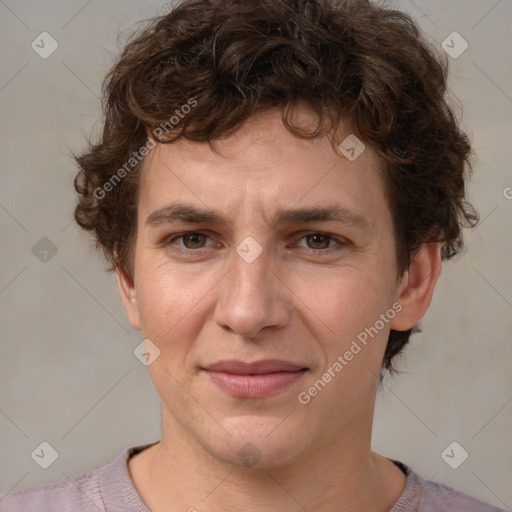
276	186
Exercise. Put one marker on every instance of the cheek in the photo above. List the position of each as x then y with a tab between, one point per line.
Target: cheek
172	315
167	300
346	301
351	304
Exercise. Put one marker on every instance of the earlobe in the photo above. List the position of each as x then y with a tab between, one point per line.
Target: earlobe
128	296
417	286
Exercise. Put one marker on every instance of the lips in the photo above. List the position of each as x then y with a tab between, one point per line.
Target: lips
233	366
257	379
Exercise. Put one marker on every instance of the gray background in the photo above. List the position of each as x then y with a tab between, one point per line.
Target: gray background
68	373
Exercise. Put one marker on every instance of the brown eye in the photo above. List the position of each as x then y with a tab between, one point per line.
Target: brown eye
191	244
194	240
321	244
318	241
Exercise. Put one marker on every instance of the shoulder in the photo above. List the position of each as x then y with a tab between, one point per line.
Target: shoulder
106	488
80	494
435	495
421	495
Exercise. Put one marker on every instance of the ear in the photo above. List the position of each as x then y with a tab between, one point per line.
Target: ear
416	286
128	297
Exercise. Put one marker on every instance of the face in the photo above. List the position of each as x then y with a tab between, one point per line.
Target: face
275	251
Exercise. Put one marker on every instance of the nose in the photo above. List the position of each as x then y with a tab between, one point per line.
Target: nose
252	297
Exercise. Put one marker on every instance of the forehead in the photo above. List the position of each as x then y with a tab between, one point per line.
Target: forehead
261	169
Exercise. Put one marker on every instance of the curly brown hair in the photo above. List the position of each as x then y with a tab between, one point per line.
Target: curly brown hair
349	60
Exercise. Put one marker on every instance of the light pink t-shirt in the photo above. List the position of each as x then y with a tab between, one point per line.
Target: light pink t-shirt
110	489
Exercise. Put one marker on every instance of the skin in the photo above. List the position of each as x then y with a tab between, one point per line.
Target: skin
291	303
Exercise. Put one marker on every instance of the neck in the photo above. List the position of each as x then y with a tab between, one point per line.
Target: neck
338	473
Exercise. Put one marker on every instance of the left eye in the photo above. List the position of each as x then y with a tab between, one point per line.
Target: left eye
319	241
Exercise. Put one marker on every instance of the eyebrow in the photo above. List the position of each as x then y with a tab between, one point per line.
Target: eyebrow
194	215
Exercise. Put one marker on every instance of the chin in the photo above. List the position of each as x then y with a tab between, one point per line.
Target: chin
258	442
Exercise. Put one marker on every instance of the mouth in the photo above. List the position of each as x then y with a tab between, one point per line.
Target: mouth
258	379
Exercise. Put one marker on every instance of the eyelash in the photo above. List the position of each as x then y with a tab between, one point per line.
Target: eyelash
338	243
